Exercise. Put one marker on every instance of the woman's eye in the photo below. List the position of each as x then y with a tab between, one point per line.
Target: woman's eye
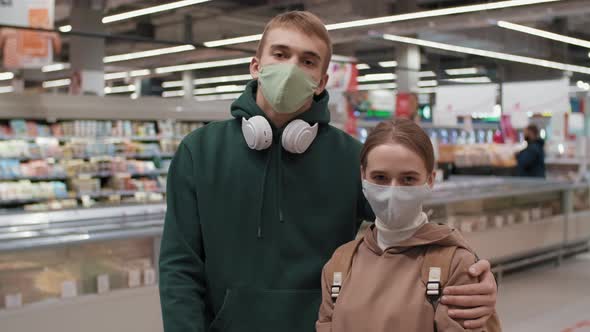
380	178
408	180
278	55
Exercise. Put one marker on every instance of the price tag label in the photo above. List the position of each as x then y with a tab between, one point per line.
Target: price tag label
69	289
103	283
134	278
13	300
149	277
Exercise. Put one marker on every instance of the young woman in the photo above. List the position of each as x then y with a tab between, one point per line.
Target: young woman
380	282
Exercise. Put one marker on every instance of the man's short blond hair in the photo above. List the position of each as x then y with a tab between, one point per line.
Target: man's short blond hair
303	21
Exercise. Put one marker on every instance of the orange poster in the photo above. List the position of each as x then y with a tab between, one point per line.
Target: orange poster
26	48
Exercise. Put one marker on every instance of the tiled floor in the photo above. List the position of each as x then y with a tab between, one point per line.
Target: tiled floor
547	298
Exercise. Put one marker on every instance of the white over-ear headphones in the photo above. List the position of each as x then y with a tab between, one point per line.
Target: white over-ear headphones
297	136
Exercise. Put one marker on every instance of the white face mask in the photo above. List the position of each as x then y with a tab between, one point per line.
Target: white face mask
396	208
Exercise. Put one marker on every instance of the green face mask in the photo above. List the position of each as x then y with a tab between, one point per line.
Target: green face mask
286	87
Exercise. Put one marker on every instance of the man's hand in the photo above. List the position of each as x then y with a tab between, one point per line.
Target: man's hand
477	300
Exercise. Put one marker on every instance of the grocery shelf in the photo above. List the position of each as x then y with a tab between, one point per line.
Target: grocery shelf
564	161
88	156
36	178
93	138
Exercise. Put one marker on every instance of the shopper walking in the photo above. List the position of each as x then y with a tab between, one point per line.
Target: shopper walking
531	160
257	204
401	255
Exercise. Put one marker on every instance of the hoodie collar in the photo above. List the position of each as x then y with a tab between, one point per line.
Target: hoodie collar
245	106
428	234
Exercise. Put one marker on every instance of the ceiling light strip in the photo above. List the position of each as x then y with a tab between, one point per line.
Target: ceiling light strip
202	65
151	10
544	34
489	54
396	18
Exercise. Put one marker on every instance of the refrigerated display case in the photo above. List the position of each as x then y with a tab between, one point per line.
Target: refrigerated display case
53	255
513	221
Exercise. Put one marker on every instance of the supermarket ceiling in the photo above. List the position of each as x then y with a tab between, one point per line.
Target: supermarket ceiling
526	28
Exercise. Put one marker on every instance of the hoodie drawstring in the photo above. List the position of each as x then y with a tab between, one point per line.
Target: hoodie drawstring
260	214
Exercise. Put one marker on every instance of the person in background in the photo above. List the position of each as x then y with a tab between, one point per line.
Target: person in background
257	204
531	160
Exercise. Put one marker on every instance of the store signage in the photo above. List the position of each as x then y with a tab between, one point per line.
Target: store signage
523	99
453	101
25	48
406	105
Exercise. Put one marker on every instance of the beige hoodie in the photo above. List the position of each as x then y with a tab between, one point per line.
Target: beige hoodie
384	291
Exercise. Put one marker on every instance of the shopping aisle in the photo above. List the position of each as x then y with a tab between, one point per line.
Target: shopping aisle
547	299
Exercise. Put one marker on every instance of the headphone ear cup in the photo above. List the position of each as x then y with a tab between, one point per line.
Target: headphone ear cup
257	133
298	136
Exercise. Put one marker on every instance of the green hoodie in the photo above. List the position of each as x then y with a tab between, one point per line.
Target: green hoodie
247	232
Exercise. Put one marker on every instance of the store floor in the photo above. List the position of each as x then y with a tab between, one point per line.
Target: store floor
547	298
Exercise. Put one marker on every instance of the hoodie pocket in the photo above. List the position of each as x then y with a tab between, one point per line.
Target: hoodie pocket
263	310
220	320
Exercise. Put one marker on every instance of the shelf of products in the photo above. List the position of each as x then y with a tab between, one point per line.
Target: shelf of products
47	166
510	219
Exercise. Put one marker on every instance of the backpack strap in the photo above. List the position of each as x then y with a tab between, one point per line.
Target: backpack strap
436	271
338	267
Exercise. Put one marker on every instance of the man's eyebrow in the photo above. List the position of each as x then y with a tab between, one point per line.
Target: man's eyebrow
307	53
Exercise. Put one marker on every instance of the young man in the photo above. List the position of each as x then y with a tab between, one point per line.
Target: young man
258	204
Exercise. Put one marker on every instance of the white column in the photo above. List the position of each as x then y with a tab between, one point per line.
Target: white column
86	54
188	86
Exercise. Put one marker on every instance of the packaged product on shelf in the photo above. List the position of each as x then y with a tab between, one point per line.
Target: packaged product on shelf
85	185
524	216
547	212
536	214
510	218
498	221
18	127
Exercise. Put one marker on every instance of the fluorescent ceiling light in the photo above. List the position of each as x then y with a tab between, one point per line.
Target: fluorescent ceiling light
124	74
172	94
388	64
6	89
342	58
202	65
424	84
56	83
544	34
434	13
148	53
209	80
583	85
426	74
116	76
489	54
223	79
119	89
55	67
397	18
462	71
65	28
362	66
233	41
150	10
6	76
427	90
140	72
227	96
482	79
220	89
381	86
376	77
